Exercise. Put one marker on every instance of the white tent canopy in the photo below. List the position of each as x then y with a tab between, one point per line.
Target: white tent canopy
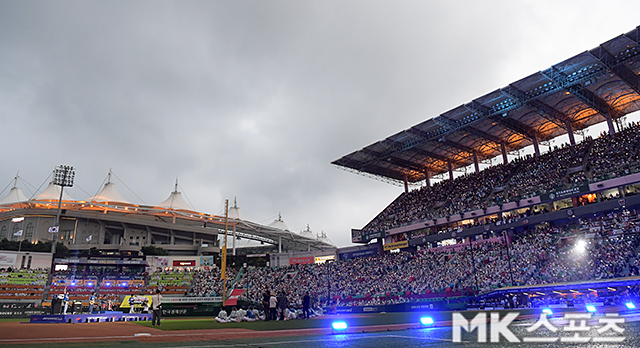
15	195
234	212
307	233
109	193
52	193
279	224
175	201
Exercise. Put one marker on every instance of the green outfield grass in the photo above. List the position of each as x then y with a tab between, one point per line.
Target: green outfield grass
4	320
321	322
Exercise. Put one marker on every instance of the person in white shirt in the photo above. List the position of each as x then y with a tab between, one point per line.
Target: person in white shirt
156	303
233	317
273	302
242	315
222	316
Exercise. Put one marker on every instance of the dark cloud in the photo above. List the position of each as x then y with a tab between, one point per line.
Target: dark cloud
253	99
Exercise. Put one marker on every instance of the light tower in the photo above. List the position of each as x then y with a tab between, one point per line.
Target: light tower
63	176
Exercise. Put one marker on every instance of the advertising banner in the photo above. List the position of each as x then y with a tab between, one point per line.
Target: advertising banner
184	263
301	260
360	253
233	298
191	299
396	245
137	301
7	259
162	262
206	261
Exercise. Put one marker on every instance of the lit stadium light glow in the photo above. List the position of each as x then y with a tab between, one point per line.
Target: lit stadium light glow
580	246
591	308
547	311
90	284
425	321
339	326
108	284
630	305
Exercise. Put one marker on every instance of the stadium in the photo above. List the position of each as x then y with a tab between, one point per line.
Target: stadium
558	229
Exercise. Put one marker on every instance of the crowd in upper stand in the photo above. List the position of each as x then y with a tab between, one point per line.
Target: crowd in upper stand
540	256
521	178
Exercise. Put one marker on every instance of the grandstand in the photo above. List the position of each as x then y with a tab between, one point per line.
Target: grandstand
599	85
111	224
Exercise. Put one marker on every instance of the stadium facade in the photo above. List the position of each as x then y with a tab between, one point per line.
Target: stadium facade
111	224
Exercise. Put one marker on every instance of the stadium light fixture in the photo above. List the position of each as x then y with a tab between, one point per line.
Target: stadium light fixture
581	246
426	321
630	305
547	311
591	308
339	326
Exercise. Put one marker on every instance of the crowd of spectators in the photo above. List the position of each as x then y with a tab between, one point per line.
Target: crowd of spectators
564	166
601	247
207	282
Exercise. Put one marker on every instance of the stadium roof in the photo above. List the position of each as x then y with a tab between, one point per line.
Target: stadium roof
598	85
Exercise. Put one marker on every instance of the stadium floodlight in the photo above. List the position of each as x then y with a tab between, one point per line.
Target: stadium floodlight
591	308
547	311
339	326
581	246
426	321
630	305
63	176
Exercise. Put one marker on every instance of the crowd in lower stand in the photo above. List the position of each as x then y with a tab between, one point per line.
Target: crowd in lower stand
206	282
601	247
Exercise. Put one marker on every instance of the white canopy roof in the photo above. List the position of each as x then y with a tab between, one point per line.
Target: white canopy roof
307	233
176	201
109	193
234	212
279	224
15	195
52	193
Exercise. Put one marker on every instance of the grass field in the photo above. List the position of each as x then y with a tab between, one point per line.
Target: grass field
320	322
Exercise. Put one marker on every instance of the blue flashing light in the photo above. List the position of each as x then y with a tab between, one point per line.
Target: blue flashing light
591	308
630	305
426	321
90	284
547	311
73	284
339	326
108	284
123	284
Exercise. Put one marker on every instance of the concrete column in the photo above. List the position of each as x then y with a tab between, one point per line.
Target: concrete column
450	170
572	139
475	161
612	130
234	240
536	146
503	147
426	175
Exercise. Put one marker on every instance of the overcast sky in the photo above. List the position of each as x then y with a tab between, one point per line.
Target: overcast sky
254	99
